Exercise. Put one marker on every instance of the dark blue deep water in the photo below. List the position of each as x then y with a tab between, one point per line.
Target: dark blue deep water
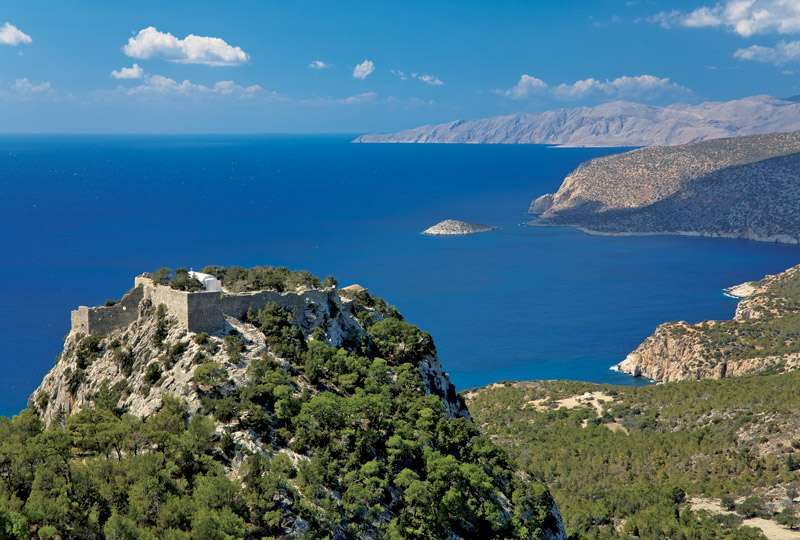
81	215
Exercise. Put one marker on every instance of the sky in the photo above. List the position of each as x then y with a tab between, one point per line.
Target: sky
277	66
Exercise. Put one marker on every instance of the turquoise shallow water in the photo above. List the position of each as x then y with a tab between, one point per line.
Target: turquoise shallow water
82	215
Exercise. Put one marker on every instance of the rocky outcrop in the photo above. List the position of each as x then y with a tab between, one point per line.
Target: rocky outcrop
453	227
742	187
334	381
764	335
541	204
617	123
121	359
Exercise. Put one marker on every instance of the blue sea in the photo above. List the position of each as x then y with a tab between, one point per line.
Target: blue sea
81	215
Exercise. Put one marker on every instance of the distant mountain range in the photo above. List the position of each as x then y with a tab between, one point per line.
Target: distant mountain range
619	123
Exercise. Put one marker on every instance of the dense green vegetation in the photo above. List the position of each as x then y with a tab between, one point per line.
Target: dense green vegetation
775	332
317	441
238	279
260	278
734	340
735	440
179	279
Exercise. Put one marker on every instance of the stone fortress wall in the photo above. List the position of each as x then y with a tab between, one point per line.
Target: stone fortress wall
201	311
102	320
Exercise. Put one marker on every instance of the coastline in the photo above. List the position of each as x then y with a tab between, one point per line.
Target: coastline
778	239
742	290
548	145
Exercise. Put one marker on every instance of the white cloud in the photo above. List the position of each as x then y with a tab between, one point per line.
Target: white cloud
364	69
745	17
27	90
11	35
327	101
211	51
133	72
25	87
319	64
641	86
782	53
158	85
422	77
366	97
525	87
428	79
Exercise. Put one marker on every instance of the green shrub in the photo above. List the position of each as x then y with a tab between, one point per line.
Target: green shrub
161	276
152	374
162	326
185	282
752	507
398	341
47	532
210	374
728	503
283	336
788	518
234	346
89	349
261	278
174	353
124	360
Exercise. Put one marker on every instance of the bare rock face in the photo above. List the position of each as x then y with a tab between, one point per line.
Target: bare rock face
764	335
742	187
619	123
541	204
455	227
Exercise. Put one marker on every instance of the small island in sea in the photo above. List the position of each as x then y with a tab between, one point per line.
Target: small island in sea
450	227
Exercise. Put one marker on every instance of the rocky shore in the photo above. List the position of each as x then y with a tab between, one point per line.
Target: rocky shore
763	336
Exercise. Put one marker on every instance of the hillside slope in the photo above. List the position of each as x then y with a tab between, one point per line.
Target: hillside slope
617	123
743	187
642	462
333	420
764	335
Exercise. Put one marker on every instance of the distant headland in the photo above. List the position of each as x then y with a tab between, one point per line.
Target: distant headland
740	187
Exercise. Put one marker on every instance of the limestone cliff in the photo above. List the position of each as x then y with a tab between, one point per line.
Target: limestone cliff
743	187
764	335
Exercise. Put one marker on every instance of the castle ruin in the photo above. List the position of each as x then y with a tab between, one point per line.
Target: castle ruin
200	311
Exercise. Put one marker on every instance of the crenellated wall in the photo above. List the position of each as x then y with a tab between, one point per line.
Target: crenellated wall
201	311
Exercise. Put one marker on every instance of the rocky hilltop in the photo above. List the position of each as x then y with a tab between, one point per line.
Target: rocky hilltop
318	411
618	123
450	227
763	336
742	187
